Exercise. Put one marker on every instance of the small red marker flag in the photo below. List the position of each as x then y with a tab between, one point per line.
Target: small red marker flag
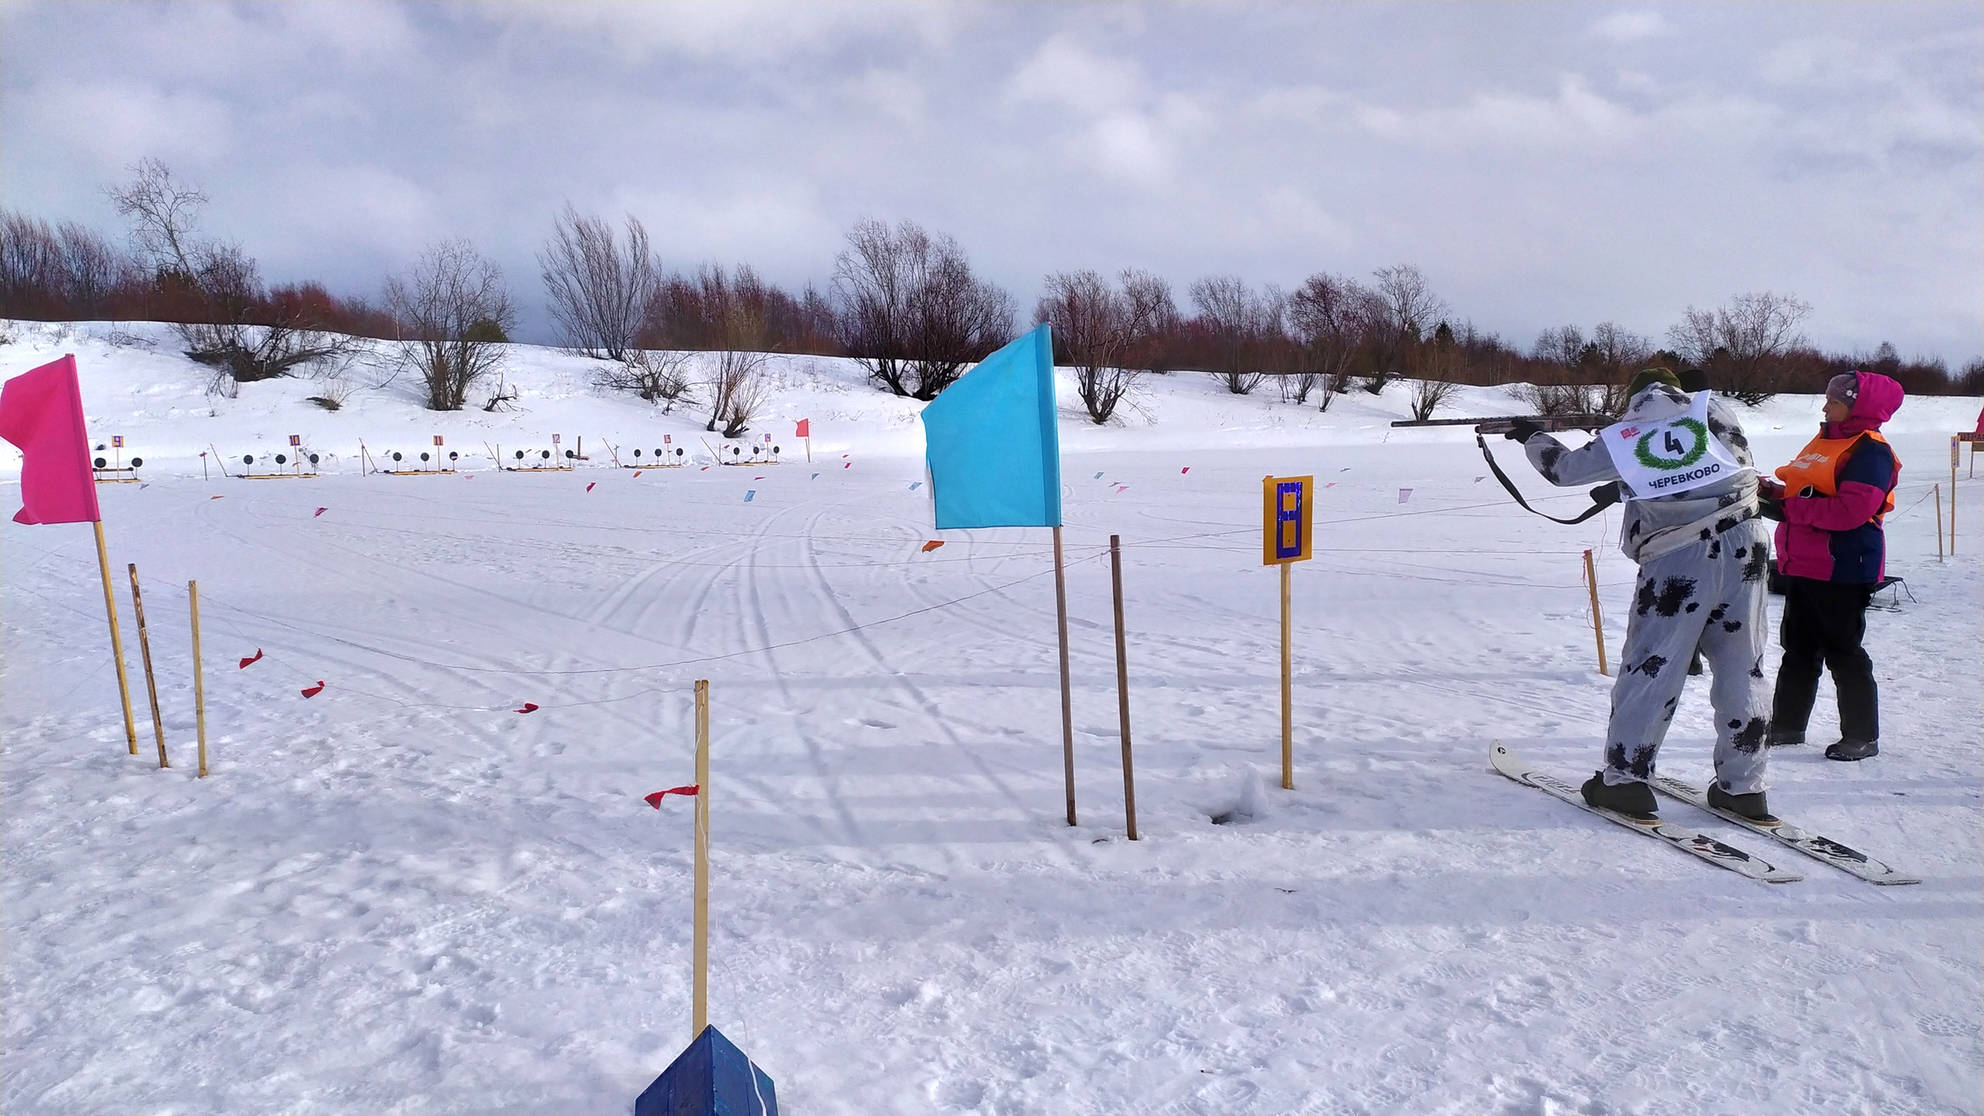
318	512
804	430
255	658
638	472
1185	470
654	799
313	691
589	485
529	707
932	545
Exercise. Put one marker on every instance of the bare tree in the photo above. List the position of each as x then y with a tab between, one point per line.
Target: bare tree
1737	343
91	269
457	314
1406	306
1330	316
913	313
163	213
1436	368
1106	333
30	267
600	291
1240	326
735	378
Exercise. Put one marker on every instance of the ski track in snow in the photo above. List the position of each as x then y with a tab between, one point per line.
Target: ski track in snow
400	896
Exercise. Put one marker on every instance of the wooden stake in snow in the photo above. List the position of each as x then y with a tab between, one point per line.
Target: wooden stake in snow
1123	686
1597	620
145	648
199	676
1067	703
116	640
1288	520
1938	500
700	1012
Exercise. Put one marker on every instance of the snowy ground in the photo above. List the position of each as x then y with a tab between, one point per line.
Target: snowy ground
402	896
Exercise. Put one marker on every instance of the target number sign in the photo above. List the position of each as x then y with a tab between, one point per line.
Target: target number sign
117	441
1287	519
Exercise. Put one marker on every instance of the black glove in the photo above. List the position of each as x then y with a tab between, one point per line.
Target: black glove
1606	495
1522	430
1771	506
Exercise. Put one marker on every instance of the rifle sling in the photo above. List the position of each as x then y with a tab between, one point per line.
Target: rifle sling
1594	509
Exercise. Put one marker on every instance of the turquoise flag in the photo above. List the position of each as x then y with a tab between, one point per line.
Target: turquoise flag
992	443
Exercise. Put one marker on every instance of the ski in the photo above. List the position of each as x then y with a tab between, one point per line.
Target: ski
1843	857
1687	840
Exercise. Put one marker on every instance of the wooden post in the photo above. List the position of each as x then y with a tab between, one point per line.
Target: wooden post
809	461
1939	521
116	641
1953	444
151	680
1123	686
1067	702
700	1012
199	676
1287	687
1597	619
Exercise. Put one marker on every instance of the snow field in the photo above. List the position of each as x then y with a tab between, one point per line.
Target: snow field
401	896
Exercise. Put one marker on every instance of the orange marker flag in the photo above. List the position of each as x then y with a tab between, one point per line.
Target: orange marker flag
932	545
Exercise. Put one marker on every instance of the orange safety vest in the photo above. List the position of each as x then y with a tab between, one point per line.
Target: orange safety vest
1817	468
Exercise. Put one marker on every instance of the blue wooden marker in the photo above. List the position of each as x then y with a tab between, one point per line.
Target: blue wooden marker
710	1078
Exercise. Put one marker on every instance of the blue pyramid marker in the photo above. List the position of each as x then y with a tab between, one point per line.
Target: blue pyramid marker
749	494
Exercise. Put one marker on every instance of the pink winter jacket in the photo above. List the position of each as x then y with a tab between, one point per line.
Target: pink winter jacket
1835	538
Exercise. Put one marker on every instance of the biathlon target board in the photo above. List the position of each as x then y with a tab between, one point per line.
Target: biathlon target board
1287	517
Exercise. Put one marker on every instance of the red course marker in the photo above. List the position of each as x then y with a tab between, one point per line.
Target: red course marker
256	657
654	799
319	512
529	707
932	545
589	485
313	691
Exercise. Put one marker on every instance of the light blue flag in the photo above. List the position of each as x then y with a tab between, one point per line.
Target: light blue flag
992	442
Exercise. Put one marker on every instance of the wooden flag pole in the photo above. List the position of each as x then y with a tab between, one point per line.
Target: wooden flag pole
809	457
1597	620
1939	521
1287	687
1953	456
145	649
700	1012
1067	702
116	640
1123	686
199	676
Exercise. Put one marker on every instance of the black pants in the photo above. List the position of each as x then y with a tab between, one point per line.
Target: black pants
1824	623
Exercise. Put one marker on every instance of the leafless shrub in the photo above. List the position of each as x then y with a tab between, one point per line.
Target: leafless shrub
457	317
1106	333
1331	316
1239	326
1404	306
600	291
913	313
656	375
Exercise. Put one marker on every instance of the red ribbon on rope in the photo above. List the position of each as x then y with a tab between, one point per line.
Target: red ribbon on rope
654	799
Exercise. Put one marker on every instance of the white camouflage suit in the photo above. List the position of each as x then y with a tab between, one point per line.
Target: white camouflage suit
1703	557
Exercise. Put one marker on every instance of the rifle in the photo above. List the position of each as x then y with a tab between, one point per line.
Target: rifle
1501	425
1602	497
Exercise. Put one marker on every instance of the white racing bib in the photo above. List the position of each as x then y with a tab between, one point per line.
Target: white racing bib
1661	457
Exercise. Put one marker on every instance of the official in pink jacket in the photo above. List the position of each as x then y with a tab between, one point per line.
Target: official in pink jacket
1832	552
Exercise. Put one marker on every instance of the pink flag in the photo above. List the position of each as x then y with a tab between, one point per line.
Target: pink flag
42	412
654	799
805	429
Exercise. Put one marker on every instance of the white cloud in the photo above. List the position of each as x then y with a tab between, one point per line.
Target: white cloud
749	30
1632	26
1064	72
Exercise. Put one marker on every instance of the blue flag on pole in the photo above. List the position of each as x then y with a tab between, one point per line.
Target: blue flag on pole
992	443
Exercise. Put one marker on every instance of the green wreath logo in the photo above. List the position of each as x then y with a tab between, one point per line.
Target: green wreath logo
1644	455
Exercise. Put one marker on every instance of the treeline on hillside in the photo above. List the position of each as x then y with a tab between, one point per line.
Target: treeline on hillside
903	301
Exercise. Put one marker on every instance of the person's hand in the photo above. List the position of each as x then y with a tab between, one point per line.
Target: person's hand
1771	487
1522	430
1771	505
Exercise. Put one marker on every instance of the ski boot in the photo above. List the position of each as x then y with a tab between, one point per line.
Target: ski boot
1751	806
1635	800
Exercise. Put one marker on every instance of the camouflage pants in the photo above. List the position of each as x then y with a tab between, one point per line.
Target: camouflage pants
1709	594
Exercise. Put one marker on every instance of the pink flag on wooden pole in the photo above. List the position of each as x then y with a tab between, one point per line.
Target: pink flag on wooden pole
41	411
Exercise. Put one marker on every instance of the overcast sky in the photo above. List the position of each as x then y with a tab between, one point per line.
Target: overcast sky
1542	164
